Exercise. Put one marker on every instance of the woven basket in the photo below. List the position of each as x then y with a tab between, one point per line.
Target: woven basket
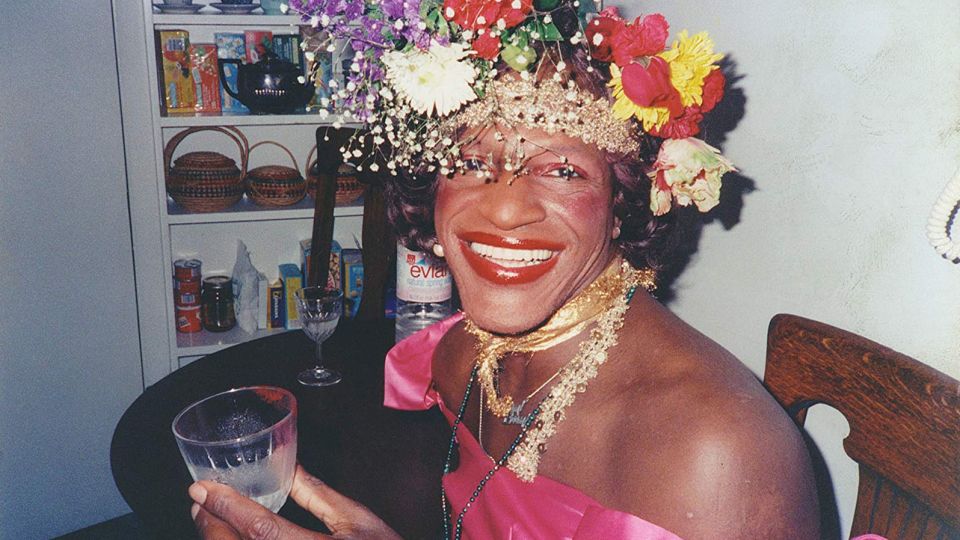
348	188
276	185
205	181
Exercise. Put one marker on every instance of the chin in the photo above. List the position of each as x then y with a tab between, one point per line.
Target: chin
505	317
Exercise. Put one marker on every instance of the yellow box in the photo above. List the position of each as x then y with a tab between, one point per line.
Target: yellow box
292	282
178	91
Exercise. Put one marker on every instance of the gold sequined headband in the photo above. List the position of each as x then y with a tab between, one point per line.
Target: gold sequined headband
552	107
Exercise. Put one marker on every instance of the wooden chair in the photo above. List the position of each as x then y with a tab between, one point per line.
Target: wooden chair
904	422
376	237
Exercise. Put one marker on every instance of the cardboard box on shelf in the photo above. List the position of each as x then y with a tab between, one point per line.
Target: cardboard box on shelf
292	282
287	47
206	80
263	302
179	95
230	46
333	277
322	66
276	308
352	281
257	43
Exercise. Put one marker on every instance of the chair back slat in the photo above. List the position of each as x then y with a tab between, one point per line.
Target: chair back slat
329	160
904	420
377	240
379	248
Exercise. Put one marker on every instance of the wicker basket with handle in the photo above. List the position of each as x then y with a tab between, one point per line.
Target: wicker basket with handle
348	188
205	181
276	185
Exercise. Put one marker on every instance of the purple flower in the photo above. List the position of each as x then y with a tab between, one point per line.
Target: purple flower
393	9
353	9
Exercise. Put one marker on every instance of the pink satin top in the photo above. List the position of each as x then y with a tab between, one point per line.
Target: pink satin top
507	508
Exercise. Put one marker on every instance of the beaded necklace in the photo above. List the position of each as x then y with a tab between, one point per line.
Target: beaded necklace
580	370
604	301
458	531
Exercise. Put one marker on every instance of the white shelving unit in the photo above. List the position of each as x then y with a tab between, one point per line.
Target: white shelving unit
164	231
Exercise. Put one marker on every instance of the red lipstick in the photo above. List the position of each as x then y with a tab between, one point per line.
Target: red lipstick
502	275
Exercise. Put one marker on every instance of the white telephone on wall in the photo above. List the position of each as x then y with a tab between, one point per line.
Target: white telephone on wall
938	231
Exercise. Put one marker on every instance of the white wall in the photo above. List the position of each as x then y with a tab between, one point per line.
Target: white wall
69	351
849	133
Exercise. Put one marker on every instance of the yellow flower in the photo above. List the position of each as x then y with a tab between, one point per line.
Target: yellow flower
691	60
624	107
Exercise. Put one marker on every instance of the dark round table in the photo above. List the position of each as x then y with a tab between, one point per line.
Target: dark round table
389	460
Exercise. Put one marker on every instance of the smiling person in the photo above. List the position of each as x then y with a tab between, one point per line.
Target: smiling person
546	156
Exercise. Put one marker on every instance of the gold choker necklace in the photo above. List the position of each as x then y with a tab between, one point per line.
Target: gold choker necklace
605	301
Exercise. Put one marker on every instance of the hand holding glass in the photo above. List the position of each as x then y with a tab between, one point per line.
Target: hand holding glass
320	309
245	438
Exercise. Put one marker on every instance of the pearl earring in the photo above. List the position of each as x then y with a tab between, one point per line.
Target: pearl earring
438	250
616	232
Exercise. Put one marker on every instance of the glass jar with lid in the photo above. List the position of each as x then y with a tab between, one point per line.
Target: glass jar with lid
217	304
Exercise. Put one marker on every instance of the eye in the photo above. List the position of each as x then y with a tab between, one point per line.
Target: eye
474	164
565	171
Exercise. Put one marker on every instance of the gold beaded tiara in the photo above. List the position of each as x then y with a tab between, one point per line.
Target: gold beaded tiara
551	106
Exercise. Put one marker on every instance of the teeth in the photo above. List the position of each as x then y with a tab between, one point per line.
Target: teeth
512	258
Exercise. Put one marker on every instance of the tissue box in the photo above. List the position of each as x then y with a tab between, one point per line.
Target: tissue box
292	282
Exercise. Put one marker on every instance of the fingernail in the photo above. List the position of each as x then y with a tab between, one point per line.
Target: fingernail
198	493
194	510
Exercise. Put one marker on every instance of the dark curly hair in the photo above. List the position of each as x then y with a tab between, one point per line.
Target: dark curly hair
647	241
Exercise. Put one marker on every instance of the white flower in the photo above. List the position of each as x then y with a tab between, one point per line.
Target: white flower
437	80
688	171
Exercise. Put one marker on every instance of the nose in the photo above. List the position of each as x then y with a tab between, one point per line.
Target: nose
511	205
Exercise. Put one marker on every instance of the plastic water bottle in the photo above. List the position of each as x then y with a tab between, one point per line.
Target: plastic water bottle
424	289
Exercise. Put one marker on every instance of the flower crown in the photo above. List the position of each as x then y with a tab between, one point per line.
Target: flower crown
422	70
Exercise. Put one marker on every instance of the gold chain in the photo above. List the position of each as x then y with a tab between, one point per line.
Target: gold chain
616	286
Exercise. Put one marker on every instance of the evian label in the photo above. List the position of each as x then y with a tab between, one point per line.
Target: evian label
421	277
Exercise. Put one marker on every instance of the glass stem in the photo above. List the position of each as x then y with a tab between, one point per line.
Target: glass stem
318	364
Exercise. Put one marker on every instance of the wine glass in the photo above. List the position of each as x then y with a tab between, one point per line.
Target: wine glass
320	309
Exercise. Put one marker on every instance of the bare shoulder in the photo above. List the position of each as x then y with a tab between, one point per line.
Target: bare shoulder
715	455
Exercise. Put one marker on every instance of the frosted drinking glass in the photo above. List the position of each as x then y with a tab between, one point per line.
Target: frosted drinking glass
245	438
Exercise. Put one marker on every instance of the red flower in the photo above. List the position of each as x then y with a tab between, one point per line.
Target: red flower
687	124
650	86
681	127
645	37
611	12
513	12
472	14
712	90
600	32
487	46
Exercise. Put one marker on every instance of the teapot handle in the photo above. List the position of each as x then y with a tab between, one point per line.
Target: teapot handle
223	76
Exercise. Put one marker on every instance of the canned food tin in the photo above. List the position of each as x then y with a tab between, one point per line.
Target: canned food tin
186	269
188	319
187	287
186	299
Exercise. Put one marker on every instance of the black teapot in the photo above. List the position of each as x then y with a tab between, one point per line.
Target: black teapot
269	86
